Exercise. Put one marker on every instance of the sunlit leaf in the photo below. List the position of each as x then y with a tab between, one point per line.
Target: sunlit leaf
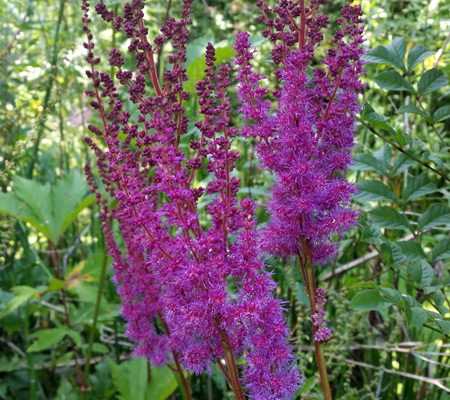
417	55
435	215
431	81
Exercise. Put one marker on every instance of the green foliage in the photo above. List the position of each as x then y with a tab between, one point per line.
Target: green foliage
134	382
49	338
50	209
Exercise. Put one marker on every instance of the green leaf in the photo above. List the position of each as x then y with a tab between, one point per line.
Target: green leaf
12	206
444	325
393	81
68	200
391	295
301	295
426	274
393	54
411	109
37	198
47	338
373	191
435	215
367	162
408	250
162	384
389	218
100	348
417	317
441	114
417	187
130	379
441	250
66	391
416	55
22	294
431	81
50	209
401	164
378	121
368	299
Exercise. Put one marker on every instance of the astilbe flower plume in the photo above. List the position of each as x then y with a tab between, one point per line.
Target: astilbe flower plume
192	293
305	132
306	140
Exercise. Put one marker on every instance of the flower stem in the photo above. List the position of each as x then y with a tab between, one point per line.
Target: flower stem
233	372
185	386
307	271
98	300
178	370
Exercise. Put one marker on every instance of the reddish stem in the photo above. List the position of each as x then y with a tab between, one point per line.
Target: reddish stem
301	31
153	74
233	372
309	279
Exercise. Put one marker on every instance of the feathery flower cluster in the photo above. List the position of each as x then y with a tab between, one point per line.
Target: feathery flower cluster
306	140
191	293
322	333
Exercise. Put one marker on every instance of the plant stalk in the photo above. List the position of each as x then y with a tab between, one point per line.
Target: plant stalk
178	370
233	372
307	271
185	386
98	301
48	91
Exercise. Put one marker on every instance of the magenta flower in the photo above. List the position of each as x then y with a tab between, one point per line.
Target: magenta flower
192	292
306	136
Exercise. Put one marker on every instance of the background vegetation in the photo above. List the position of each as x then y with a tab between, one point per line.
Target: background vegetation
61	335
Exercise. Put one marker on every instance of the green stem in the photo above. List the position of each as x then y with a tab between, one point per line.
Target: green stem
307	271
98	301
405	152
48	91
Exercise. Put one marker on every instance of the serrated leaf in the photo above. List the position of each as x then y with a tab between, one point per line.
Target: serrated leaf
392	54
374	190
69	198
391	295
48	208
401	164
47	338
427	274
393	81
411	109
300	294
22	294
417	187
431	81
444	325
417	55
389	218
378	121
162	384
441	114
435	215
12	206
417	317
367	162
368	299
130	379
441	250
407	251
